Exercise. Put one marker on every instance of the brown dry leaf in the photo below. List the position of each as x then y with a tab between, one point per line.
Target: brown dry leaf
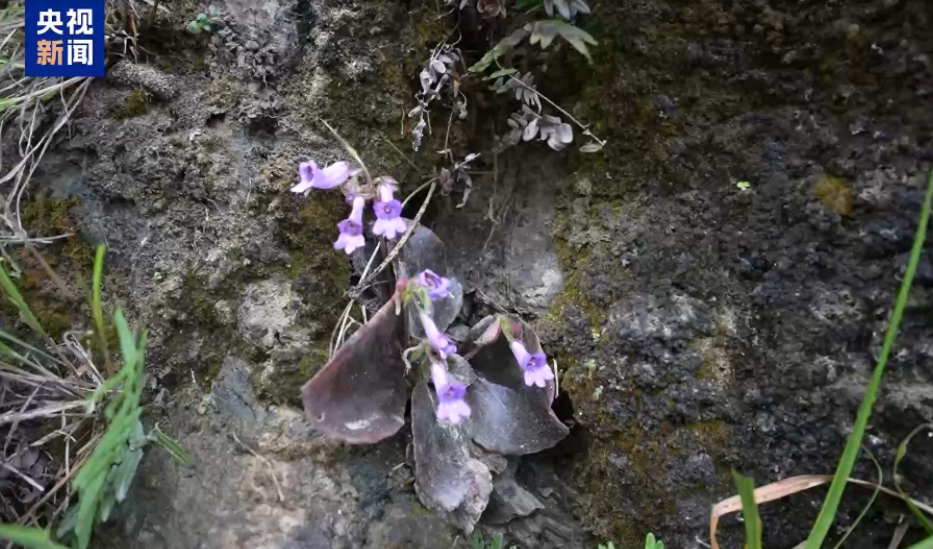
783	488
490	9
835	194
446	179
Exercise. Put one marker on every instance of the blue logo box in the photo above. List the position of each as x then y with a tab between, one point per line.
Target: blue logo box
65	38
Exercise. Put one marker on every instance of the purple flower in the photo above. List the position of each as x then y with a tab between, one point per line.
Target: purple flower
436	285
313	177
451	405
351	229
537	371
441	343
388	212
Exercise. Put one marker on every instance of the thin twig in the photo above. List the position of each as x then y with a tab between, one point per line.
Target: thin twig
340	327
556	379
58	433
418	190
275	479
349	149
13	173
36	239
15	426
49	271
899	534
10	417
333	336
31	514
21	475
401	243
446	150
405	156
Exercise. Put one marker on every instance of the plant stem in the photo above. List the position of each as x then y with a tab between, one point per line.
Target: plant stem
401	243
349	149
586	129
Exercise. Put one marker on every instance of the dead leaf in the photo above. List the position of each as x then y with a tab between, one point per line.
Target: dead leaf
787	487
835	194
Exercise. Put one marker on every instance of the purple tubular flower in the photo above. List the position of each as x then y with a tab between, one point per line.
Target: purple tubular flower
388	213
537	371
312	177
436	285
441	343
451	405
351	229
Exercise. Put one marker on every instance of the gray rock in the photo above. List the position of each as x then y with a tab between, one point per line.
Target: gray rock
268	311
509	500
232	392
163	86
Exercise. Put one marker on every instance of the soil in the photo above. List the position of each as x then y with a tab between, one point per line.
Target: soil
699	327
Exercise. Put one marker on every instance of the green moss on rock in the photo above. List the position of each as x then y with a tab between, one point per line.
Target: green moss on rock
137	103
44	215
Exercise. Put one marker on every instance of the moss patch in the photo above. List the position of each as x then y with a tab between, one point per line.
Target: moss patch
137	103
834	193
43	215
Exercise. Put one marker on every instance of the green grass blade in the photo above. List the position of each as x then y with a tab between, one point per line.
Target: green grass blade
171	446
901	453
97	303
847	462
127	341
12	292
31	538
878	484
8	351
25	360
749	510
19	342
97	481
88	504
925	544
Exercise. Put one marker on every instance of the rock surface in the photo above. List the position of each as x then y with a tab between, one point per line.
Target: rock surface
698	326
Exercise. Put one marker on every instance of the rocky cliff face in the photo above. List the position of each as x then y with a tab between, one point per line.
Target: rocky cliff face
698	326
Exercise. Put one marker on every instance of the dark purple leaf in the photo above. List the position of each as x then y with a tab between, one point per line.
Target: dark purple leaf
443	311
447	479
424	250
460	369
359	396
512	421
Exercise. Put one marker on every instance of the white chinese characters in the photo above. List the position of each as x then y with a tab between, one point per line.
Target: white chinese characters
50	20
80	21
77	41
80	52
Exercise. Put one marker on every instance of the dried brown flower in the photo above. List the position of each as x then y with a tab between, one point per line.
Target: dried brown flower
490	9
